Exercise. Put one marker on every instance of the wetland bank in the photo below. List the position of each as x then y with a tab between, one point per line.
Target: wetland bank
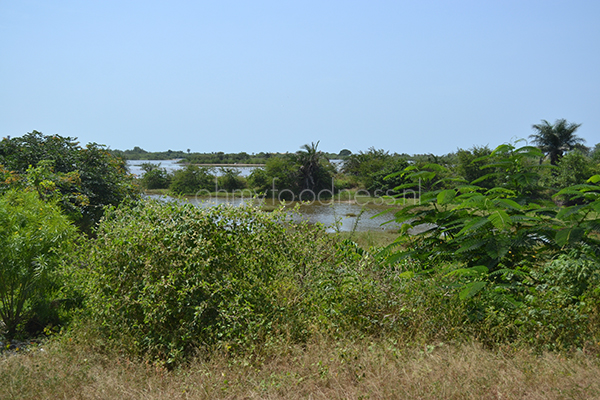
142	297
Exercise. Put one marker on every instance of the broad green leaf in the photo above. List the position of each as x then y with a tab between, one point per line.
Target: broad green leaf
578	189
503	148
446	196
468	188
435	167
568	211
483	178
429	197
473	225
405	227
500	219
471	290
393	175
594	179
511	204
500	191
569	235
425	175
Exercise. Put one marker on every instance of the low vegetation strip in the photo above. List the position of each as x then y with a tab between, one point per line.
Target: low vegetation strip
321	369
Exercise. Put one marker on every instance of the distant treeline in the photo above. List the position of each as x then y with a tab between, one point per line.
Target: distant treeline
220	157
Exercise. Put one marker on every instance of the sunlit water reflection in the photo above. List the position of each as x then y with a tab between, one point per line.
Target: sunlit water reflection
337	215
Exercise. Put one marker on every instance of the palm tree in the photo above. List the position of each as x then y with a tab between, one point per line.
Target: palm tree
554	140
313	174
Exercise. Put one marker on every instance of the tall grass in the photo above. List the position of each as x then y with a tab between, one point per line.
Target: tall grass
321	369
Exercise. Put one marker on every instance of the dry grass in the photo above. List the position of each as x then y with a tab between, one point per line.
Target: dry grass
324	370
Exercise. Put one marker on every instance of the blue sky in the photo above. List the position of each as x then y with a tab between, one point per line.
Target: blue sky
408	77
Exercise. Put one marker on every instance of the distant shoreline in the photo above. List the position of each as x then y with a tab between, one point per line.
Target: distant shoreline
227	165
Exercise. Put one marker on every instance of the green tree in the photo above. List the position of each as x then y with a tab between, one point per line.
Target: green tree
281	173
385	181
498	233
231	180
95	175
364	165
191	179
155	177
574	169
555	140
32	233
470	163
314	170
258	180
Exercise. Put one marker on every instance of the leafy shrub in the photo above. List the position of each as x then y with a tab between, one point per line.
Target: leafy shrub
501	241
363	165
384	184
191	179
231	180
155	177
282	175
167	279
32	234
557	310
86	178
258	180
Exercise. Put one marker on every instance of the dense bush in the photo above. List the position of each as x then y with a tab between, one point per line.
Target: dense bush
364	165
191	179
155	177
85	179
32	233
384	181
258	180
167	279
230	180
525	265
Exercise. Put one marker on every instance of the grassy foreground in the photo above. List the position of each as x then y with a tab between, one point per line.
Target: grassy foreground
321	369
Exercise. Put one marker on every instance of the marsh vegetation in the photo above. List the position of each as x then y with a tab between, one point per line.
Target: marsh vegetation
143	298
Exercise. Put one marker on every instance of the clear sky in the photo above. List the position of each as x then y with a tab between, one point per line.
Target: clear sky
255	75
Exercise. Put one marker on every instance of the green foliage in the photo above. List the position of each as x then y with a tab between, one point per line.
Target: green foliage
155	177
499	228
314	171
84	179
468	168
559	306
573	169
384	182
226	158
281	172
286	176
167	279
555	140
259	180
499	237
191	179
514	171
32	234
363	165
595	154
231	180
138	153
